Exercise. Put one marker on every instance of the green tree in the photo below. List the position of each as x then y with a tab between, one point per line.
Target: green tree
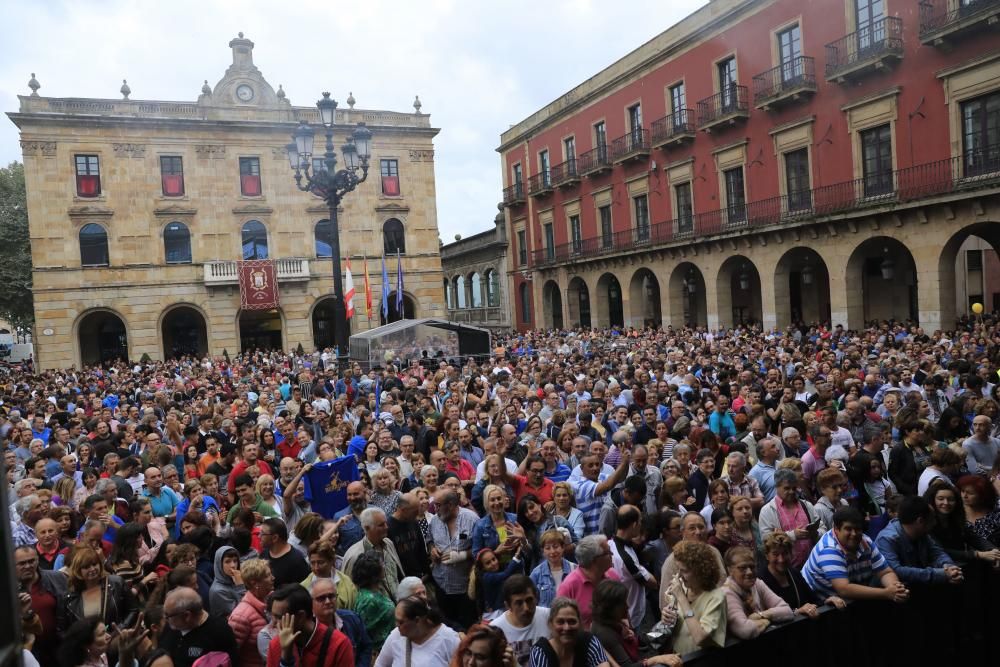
16	303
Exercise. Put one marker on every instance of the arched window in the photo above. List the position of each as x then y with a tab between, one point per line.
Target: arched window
525	302
322	234
393	238
177	243
254	240
460	301
492	289
477	290
448	295
93	245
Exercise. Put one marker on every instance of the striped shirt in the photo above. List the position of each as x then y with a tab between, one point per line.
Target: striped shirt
588	503
560	474
828	561
595	655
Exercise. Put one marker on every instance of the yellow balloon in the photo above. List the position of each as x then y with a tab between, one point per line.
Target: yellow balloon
977	308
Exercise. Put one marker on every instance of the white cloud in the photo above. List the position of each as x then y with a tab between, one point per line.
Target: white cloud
478	66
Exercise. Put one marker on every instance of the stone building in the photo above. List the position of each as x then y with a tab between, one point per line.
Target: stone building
767	161
141	212
475	280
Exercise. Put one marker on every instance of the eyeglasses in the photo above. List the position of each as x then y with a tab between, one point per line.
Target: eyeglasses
325	598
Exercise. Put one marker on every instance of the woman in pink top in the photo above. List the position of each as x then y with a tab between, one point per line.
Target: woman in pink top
593	554
795	517
751	607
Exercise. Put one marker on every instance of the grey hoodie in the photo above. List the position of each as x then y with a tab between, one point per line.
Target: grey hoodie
224	595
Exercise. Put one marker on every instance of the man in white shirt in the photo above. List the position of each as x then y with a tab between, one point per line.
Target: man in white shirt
523	623
625	562
840	437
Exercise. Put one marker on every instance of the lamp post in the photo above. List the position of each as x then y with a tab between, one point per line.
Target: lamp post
324	180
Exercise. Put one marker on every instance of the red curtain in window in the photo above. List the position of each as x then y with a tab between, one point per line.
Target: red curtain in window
173	185
250	185
390	185
88	186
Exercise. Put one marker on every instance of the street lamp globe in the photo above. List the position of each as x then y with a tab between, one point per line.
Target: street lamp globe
363	141
293	155
305	137
350	153
327	110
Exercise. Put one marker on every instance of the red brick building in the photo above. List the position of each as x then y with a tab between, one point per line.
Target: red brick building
767	161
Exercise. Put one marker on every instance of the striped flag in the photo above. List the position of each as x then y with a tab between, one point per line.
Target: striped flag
368	292
399	286
349	291
385	291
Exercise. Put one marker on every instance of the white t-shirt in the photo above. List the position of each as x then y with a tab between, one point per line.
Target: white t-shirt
481	468
522	639
436	651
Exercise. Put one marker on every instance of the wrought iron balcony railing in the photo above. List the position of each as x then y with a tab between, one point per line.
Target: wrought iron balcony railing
976	169
594	161
725	106
789	80
630	146
673	128
513	194
871	46
940	19
540	184
565	173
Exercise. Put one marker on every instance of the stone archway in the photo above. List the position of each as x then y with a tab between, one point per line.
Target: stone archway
409	309
801	288
881	280
102	337
578	303
184	332
644	300
261	330
960	282
688	297
552	313
738	292
610	305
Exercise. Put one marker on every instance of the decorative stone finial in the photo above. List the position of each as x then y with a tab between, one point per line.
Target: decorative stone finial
417	104
34	85
281	92
125	90
350	100
206	89
240	34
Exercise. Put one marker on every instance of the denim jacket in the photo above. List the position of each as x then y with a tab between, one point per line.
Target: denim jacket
484	534
546	585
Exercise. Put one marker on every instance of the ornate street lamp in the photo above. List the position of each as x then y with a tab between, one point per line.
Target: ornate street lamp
322	179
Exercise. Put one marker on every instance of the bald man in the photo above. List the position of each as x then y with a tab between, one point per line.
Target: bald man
405	533
191	632
162	498
351	531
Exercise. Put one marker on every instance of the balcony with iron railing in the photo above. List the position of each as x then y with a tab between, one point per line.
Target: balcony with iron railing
975	170
286	269
872	47
942	21
594	162
631	146
540	184
565	174
724	108
673	129
787	83
513	195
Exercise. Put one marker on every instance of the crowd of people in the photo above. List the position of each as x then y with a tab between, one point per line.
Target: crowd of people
599	498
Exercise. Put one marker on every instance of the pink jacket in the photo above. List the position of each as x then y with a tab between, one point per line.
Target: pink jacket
764	599
247	619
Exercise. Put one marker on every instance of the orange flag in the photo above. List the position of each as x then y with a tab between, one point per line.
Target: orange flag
368	292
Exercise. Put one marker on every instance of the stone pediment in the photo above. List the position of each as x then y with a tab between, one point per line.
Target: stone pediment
174	211
392	207
243	85
90	211
253	209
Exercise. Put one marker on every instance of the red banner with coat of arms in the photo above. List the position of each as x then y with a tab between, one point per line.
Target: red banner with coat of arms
258	285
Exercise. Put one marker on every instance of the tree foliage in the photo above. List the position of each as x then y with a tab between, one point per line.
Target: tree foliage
16	303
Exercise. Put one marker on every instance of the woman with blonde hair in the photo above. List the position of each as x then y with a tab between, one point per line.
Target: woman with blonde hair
91	591
265	488
564	505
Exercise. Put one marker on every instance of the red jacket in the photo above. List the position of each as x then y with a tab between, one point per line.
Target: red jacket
340	653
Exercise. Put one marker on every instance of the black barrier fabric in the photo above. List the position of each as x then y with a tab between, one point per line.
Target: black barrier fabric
940	625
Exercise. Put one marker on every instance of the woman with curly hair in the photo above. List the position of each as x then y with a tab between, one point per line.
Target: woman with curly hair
482	646
85	644
701	603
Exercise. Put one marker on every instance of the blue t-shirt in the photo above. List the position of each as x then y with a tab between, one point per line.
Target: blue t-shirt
164	504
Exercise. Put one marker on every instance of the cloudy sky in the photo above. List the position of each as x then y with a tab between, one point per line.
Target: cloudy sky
478	66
